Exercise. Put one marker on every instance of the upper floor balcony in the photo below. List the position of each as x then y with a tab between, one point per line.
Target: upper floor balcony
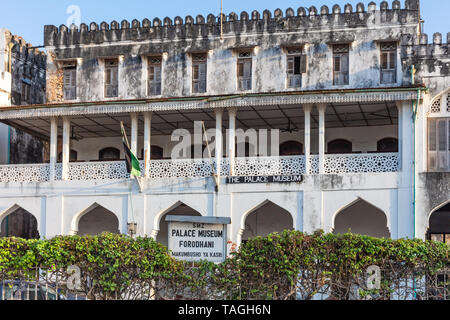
273	135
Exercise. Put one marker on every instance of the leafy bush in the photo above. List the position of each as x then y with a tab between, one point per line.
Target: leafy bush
281	266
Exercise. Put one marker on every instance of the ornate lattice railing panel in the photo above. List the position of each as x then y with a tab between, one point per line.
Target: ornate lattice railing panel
196	168
25	173
98	171
314	164
269	166
361	163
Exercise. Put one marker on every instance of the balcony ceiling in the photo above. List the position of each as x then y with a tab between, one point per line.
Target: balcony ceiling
285	117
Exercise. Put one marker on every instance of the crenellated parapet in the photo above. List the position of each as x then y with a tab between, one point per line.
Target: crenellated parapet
421	46
25	52
430	57
290	20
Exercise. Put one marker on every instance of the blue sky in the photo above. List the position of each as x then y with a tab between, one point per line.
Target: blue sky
28	17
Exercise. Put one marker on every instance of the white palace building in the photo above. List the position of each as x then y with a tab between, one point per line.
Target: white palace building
354	103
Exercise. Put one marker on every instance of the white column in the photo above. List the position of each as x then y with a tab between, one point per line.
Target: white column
147	141
405	223
232	112
307	109
66	148
321	108
134	133
219	141
53	147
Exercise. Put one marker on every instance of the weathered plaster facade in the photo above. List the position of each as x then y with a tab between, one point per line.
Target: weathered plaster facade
20	66
387	192
265	34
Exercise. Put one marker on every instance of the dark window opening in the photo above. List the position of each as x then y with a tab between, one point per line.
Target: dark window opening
156	153
340	146
109	154
291	148
387	145
73	156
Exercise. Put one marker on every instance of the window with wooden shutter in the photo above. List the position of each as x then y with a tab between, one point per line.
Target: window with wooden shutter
388	62
154	76
70	83
296	65
245	71
111	78
199	73
439	144
341	64
26	92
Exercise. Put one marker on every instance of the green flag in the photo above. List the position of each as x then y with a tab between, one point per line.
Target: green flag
133	165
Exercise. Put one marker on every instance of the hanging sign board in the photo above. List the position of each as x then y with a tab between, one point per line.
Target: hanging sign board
198	238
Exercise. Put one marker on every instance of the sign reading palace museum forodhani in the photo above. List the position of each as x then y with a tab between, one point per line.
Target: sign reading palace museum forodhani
198	238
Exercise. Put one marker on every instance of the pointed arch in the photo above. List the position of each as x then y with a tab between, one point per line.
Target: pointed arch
439	223
361	217
23	223
438	96
280	219
109	224
179	208
439	207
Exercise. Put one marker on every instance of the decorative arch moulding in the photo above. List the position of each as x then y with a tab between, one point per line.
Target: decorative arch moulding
255	100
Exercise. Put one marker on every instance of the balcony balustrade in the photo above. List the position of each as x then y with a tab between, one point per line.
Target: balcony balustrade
201	168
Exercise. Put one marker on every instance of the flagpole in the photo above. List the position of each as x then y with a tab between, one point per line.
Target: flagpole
215	174
221	19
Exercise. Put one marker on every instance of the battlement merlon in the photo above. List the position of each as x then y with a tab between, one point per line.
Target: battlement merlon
303	20
23	50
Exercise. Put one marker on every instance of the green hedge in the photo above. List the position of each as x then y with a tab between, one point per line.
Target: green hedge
280	266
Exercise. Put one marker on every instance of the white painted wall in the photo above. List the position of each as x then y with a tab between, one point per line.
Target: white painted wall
313	204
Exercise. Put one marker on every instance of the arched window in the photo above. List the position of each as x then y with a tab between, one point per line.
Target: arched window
73	156
291	148
340	146
109	154
156	153
387	145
